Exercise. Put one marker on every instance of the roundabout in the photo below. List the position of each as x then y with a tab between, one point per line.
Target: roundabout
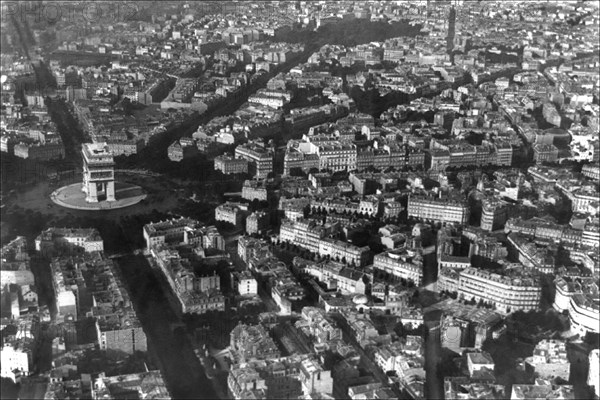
72	196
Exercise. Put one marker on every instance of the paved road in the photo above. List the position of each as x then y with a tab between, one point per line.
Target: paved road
430	268
433	353
181	368
366	362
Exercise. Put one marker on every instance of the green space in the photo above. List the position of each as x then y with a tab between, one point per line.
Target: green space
533	326
350	32
507	353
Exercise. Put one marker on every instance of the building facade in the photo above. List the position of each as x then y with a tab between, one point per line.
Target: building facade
230	165
396	266
438	210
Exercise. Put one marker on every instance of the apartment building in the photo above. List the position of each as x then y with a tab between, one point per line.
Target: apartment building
545	153
40	151
260	158
252	342
67	281
246	284
566	287
549	360
580	298
254	190
542	389
584	198
403	357
315	324
285	290
463	388
257	222
538	228
181	230
273	100
230	165
479	362
447	279
532	256
86	285
193	294
51	239
340	250
584	313
494	214
438	210
487	248
180	150
397	265
456	262
591	235
337	156
591	171
16	360
312	236
305	233
125	147
230	212
337	276
149	384
507	293
289	377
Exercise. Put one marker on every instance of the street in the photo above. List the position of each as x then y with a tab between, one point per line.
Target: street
365	360
182	370
433	382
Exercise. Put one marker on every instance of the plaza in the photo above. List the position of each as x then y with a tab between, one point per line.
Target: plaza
72	196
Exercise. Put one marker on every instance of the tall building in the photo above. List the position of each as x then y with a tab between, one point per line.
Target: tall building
98	172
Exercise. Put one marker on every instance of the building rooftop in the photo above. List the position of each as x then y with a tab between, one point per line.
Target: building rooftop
480	358
96	149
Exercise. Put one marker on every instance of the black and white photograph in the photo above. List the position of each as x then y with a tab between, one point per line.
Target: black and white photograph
300	200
